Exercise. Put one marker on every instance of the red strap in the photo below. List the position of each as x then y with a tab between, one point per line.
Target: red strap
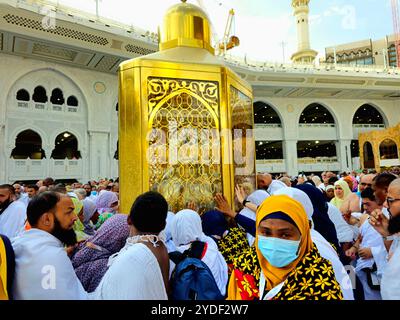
204	250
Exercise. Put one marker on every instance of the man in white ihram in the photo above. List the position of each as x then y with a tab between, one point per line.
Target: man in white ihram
390	230
12	213
43	270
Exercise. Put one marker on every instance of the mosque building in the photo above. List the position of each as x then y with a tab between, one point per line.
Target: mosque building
59	107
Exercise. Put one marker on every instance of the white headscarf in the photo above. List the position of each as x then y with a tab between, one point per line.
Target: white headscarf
169	243
324	248
258	196
299	196
186	228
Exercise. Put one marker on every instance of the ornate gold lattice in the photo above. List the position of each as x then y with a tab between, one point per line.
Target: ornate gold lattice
243	139
184	155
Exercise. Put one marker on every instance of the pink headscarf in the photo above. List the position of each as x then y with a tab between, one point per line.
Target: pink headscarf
104	201
355	184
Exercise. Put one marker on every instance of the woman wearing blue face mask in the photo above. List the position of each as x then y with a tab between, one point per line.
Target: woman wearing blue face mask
291	266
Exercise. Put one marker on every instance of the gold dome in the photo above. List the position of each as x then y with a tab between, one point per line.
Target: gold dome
186	25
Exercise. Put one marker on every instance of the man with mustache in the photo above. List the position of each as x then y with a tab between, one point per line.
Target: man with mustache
12	213
43	270
389	228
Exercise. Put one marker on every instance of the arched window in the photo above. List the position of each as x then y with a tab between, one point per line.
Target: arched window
265	114
388	149
369	161
72	101
57	97
66	146
23	95
116	107
39	95
28	144
316	114
367	114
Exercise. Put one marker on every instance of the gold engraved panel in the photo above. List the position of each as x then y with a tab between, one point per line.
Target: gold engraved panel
243	139
184	141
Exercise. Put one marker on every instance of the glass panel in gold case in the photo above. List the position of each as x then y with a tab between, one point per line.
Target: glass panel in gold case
184	141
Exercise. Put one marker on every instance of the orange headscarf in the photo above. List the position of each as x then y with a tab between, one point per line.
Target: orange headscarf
295	210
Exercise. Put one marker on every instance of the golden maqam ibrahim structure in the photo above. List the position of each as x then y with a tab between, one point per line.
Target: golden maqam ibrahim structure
380	148
185	118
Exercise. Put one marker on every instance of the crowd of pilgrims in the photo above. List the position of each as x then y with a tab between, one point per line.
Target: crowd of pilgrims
333	237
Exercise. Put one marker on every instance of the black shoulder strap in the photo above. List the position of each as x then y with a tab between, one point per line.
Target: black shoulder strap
196	250
176	256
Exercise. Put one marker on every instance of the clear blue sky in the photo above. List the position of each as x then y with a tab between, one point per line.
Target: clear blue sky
262	25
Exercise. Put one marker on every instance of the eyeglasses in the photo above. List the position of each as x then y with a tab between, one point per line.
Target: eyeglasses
391	200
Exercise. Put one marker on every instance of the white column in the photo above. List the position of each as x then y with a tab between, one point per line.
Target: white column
92	157
290	153
99	152
47	152
343	151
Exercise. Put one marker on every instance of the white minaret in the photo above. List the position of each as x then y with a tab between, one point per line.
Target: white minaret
304	54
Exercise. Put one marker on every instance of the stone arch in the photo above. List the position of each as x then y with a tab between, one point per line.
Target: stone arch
40	94
14	133
66	145
23	95
330	115
74	87
368	155
81	139
28	144
388	149
274	108
72	101
377	108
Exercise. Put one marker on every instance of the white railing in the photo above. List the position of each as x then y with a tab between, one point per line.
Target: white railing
271	165
307	68
40	106
270	161
318	164
26	169
83	17
366	125
389	162
57	107
66	168
31	169
316	125
72	109
23	104
267	125
309	160
46	106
